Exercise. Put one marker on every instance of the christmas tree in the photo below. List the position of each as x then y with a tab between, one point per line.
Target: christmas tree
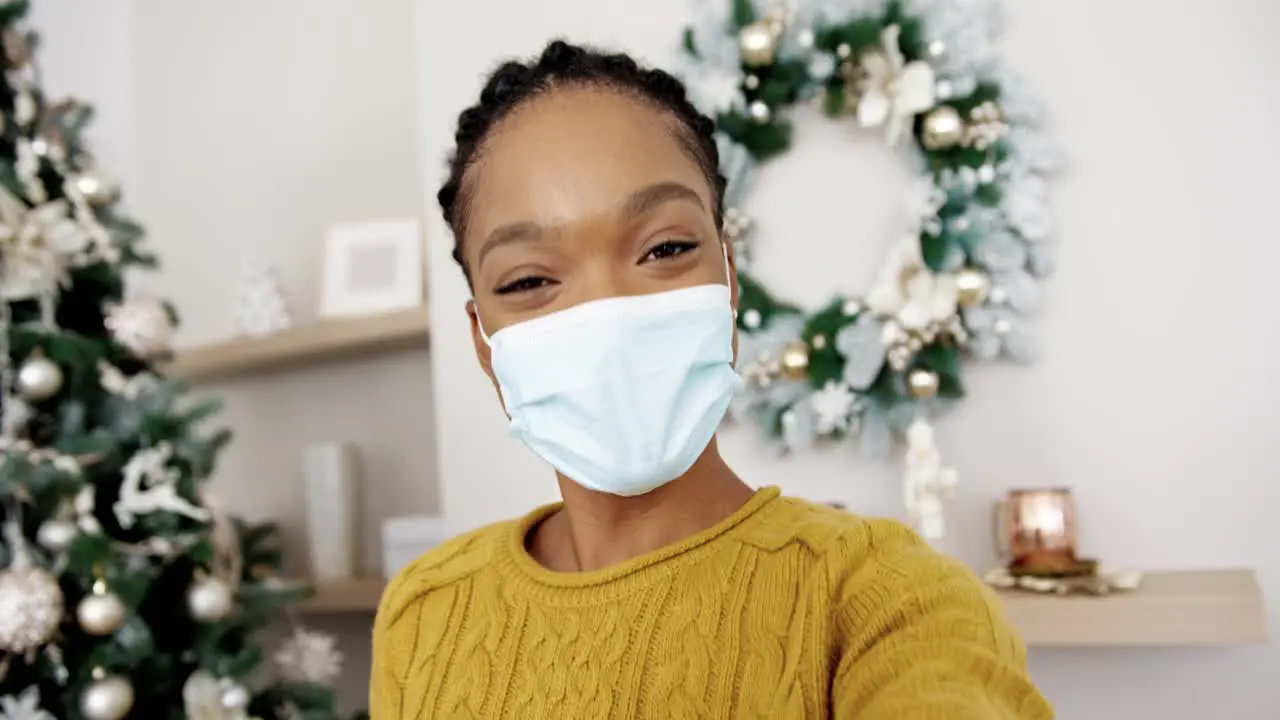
126	591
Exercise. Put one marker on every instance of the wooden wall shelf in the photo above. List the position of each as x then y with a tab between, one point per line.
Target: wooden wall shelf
321	342
350	596
1213	607
1210	607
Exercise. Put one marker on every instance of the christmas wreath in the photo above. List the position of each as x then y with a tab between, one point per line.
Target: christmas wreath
959	280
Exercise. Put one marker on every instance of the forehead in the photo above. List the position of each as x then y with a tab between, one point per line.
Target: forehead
573	154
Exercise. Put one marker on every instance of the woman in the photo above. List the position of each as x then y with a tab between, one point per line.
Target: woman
586	205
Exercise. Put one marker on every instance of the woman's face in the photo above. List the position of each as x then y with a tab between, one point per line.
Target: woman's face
582	194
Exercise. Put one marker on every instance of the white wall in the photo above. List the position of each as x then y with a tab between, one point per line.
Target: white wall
86	51
1155	399
243	129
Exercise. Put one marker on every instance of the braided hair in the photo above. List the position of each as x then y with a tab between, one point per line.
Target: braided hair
564	65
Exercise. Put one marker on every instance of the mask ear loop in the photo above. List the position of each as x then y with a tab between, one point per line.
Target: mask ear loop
728	274
480	323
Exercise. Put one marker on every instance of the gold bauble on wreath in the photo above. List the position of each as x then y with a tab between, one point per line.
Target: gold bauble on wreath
972	286
943	128
758	44
923	384
794	364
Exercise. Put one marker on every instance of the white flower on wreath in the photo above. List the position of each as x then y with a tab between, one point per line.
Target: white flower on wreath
893	90
202	699
25	706
907	290
832	407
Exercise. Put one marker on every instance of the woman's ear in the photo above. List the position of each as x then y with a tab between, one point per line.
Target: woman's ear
732	264
483	355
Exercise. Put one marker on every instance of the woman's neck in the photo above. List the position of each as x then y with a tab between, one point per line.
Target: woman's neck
595	530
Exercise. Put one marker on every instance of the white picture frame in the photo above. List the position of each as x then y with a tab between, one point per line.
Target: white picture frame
372	267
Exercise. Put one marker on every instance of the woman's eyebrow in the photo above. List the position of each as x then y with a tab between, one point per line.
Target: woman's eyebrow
649	197
508	234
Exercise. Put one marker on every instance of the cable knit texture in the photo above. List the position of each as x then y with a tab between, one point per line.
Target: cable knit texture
785	609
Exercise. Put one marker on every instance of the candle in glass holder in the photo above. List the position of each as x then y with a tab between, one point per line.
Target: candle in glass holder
1040	529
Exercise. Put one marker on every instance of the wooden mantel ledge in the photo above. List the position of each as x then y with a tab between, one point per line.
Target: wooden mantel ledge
1185	608
319	342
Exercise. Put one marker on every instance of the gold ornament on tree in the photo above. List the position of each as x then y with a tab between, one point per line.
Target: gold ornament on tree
39	378
108	697
209	599
943	128
56	534
101	612
31	601
97	189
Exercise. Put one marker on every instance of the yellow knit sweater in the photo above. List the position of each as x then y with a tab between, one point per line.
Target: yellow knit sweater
783	610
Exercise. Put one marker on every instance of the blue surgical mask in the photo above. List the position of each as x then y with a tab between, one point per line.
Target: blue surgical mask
622	394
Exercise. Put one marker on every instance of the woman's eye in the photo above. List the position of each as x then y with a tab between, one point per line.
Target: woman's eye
524	284
669	249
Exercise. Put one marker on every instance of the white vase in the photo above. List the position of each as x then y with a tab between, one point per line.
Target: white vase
333	510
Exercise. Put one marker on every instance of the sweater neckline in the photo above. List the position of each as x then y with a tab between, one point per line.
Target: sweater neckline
530	569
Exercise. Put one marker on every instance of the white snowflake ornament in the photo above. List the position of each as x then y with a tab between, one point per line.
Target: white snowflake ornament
142	324
832	407
310	657
894	91
24	706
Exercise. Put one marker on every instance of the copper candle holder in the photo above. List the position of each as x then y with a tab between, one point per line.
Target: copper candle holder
1038	530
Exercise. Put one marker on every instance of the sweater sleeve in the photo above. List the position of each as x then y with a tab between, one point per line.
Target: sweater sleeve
923	639
384	683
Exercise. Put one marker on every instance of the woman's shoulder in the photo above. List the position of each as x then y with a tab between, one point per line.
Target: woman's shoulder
441	567
848	545
826	530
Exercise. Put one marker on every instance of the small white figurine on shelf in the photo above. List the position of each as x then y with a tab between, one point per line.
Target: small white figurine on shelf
259	307
926	483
